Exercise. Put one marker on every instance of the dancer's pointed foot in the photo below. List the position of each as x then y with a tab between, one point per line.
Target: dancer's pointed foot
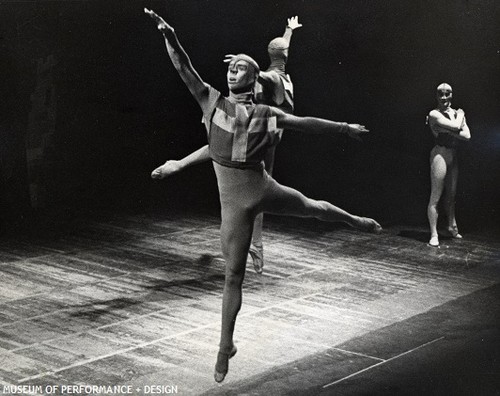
222	365
257	254
434	241
453	230
167	169
367	224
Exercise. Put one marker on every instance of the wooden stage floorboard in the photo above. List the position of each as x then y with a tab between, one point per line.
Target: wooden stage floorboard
135	300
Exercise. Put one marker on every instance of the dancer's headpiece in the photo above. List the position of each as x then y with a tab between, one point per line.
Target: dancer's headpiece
277	47
444	87
246	58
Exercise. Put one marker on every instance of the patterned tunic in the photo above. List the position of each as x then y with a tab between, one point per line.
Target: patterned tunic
239	134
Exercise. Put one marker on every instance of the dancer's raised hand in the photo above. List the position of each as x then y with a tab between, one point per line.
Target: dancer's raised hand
293	23
228	58
160	22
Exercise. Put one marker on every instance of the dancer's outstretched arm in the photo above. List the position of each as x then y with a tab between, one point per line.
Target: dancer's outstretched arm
181	61
317	125
172	167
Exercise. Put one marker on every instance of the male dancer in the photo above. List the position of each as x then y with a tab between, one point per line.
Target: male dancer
273	87
239	135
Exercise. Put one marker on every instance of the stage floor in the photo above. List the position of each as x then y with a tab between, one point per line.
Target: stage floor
134	300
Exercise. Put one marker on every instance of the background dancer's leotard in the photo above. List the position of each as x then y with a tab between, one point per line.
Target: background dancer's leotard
448	127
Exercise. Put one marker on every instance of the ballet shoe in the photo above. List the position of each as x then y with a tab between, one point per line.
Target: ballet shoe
377	228
167	169
434	241
257	254
369	225
454	232
224	357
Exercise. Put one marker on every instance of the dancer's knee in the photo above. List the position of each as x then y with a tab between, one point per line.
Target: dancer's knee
432	206
234	278
318	209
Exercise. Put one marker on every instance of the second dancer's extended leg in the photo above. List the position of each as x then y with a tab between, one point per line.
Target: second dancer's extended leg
257	248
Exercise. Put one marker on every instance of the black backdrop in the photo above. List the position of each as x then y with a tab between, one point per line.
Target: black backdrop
122	110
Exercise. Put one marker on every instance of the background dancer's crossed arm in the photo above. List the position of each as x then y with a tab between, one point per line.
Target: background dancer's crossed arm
457	127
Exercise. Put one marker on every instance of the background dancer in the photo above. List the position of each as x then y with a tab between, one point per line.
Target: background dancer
448	127
273	87
239	134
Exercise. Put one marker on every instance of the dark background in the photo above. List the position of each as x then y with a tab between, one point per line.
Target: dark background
122	110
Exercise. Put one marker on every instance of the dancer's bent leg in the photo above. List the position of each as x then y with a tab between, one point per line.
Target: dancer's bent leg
450	197
257	248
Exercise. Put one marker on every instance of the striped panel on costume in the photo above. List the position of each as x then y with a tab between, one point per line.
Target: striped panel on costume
239	135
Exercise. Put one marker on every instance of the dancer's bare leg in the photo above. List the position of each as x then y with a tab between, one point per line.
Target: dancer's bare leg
450	198
438	174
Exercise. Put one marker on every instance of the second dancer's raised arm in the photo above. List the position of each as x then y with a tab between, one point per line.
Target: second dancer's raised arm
293	23
278	54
